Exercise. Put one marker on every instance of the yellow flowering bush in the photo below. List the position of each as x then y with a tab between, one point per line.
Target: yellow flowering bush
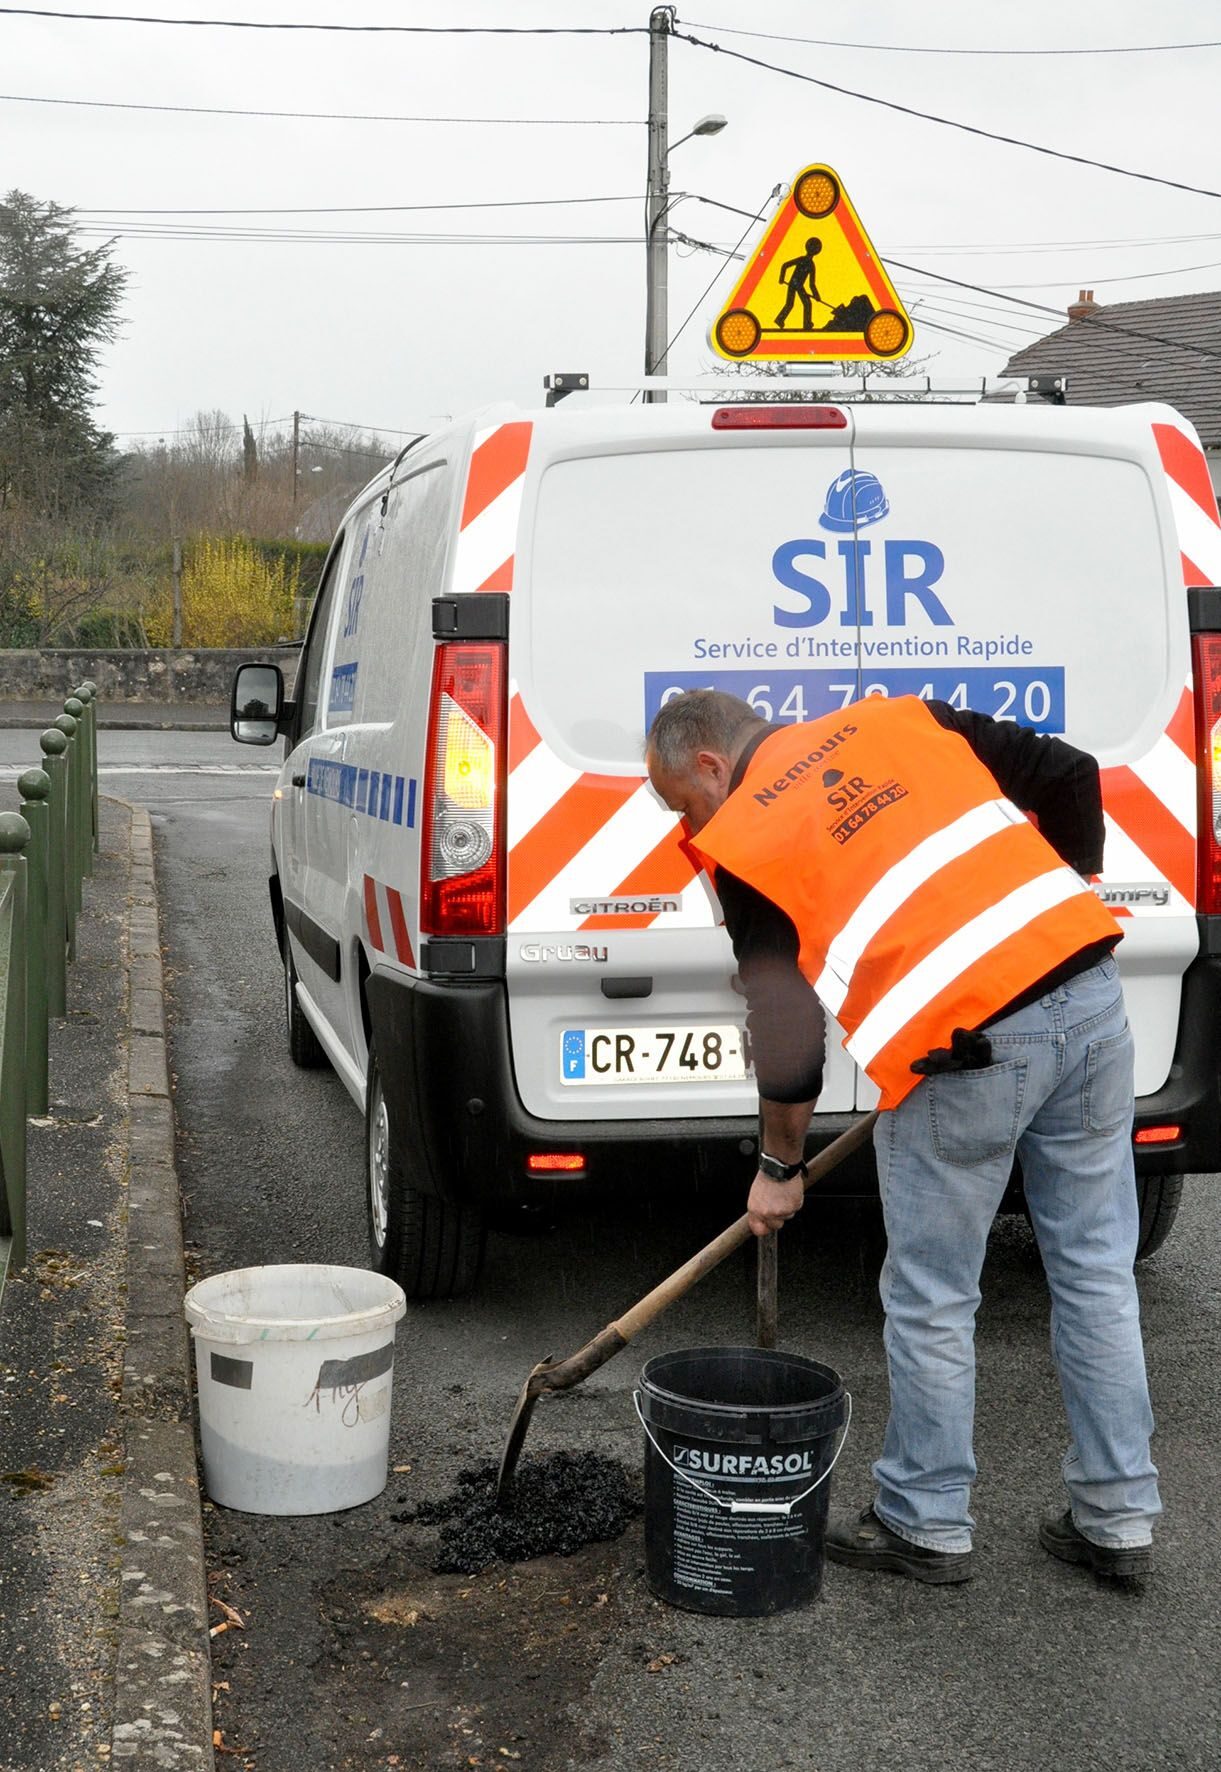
232	595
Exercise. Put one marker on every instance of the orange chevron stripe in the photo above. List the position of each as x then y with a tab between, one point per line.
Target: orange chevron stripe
1182	726
1141	815
1186	466
522	733
398	922
501	579
497	462
371	916
666	869
563	832
1192	574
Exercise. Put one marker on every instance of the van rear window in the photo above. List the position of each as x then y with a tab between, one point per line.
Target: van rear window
1027	584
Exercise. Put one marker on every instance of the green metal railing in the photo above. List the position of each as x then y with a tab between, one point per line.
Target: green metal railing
46	853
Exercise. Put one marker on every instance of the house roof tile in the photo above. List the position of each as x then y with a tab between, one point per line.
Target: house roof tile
1168	349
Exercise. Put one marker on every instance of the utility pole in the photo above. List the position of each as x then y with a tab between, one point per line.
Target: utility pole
656	322
296	451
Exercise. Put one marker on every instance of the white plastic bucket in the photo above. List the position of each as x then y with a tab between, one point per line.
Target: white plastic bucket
294	1365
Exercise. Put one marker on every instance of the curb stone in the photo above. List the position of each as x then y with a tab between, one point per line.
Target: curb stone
163	1703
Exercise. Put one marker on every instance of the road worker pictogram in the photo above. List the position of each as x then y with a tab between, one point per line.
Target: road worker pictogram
813	286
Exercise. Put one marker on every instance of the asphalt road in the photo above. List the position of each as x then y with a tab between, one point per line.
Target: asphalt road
352	1654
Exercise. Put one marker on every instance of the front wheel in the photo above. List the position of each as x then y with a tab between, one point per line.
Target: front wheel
1158	1197
433	1248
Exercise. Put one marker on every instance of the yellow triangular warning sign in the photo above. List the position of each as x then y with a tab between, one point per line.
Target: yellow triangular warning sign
813	286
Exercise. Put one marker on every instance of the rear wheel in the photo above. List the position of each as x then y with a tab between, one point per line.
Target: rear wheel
303	1044
433	1248
1158	1197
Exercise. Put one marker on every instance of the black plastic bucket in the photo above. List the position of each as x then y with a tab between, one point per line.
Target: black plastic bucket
739	1447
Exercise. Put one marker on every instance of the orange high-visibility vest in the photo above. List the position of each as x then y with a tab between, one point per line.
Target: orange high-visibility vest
923	899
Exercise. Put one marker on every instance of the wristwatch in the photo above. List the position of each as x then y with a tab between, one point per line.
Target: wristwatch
778	1171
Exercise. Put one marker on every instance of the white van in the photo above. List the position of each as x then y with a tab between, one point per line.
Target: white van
490	925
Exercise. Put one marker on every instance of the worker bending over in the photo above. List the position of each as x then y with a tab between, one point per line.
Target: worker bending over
884	856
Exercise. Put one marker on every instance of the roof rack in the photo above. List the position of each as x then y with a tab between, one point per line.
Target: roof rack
812	383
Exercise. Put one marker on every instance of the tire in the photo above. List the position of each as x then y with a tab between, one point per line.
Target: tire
1158	1197
303	1045
433	1248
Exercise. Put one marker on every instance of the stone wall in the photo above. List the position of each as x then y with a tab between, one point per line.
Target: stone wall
159	676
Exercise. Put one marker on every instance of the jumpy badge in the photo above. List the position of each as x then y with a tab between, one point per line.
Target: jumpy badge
813	287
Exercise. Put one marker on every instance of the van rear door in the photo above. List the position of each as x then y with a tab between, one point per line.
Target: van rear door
657	553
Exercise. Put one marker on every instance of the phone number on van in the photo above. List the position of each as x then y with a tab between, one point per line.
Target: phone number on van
1031	696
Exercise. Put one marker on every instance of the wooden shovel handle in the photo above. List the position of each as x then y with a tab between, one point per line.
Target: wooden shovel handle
712	1254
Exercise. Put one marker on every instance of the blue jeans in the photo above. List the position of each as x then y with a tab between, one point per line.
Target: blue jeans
1059	1093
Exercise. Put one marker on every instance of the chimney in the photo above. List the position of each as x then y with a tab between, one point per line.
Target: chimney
1084	306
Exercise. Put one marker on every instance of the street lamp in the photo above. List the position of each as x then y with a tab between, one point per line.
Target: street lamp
656	323
712	124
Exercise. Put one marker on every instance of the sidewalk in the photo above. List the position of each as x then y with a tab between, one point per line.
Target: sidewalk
117	716
103	1615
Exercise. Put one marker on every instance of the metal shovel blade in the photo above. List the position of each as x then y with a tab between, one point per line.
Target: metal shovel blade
519	1427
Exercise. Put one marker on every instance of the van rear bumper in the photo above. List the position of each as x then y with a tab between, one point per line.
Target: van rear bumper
453	1104
1191	1096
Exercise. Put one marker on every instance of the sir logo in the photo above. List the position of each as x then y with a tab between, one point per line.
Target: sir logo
855	501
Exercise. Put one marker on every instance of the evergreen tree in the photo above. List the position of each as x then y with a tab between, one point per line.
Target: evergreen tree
250	453
58	306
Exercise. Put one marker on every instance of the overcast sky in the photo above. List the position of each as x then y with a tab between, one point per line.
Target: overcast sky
391	335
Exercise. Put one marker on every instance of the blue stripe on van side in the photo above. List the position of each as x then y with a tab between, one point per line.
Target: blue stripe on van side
331	781
374	792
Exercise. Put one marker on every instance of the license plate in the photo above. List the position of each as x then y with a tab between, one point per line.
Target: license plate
701	1054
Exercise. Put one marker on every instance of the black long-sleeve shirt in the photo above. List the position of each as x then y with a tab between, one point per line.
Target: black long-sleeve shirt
1045	777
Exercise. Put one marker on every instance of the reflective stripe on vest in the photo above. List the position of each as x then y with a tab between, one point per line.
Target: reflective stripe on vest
923	899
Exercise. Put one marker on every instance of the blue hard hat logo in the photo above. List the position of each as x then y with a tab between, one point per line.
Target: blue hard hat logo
854	498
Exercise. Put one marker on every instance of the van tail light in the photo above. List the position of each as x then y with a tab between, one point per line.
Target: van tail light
462	868
1206	663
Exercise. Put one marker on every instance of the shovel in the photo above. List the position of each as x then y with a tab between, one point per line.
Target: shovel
562	1375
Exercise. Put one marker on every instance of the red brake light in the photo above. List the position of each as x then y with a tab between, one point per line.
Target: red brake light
1206	664
1158	1135
544	1162
462	870
797	417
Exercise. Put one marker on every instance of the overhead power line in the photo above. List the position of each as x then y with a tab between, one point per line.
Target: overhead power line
1038	307
1026	248
101	104
1011	141
1131	277
319	237
942	49
251	24
953	309
384	208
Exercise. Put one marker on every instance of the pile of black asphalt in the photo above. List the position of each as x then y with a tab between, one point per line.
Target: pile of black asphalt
557	1504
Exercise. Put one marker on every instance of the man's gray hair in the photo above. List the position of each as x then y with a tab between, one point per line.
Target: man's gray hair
700	720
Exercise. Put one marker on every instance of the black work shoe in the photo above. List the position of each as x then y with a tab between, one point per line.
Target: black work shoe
1124	1566
868	1544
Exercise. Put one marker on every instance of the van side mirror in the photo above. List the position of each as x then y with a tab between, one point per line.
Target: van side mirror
256	706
